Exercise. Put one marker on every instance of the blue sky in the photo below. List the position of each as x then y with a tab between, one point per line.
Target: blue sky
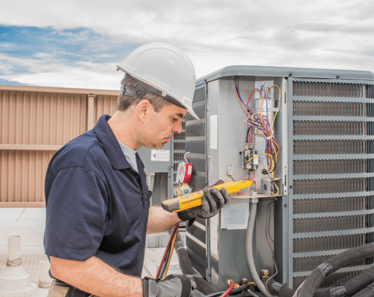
77	47
78	43
68	45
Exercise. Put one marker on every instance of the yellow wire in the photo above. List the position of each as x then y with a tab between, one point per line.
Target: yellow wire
171	253
275	185
275	150
257	156
273	144
279	100
272	168
271	158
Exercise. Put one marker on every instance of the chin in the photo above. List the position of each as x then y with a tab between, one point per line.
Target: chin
158	146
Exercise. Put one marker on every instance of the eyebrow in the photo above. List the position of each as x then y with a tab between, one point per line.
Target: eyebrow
180	115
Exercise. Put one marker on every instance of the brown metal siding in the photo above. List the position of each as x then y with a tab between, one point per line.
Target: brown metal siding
35	123
105	105
22	176
41	118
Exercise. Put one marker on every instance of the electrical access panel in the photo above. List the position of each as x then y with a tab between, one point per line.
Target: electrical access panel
304	137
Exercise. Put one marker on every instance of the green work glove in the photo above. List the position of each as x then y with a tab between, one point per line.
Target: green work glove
171	286
211	203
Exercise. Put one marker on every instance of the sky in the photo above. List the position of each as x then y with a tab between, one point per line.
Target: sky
78	43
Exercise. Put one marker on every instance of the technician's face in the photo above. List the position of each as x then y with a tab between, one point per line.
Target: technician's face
164	124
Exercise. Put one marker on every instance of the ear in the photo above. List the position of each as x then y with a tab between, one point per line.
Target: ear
144	110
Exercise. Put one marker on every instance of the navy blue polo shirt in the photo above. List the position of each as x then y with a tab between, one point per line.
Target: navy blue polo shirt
96	204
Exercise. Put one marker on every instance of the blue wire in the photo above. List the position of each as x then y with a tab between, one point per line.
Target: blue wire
267	113
240	97
254	126
164	264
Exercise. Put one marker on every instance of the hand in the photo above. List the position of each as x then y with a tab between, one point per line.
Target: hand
211	203
171	286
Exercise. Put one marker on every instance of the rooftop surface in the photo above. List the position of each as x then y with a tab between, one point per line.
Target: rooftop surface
29	223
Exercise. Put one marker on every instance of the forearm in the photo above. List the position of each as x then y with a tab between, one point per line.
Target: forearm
96	277
160	220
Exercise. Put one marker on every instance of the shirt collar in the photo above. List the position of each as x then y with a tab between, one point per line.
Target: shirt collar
110	144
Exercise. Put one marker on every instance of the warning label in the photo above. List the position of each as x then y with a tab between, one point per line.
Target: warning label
160	155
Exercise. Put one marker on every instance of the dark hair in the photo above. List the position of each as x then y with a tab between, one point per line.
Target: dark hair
125	102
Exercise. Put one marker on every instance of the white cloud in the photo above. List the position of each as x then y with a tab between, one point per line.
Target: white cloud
52	74
295	33
42	55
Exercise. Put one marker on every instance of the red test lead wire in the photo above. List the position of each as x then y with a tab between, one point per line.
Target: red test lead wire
227	292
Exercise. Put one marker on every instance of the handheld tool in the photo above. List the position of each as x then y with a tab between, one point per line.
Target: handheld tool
194	199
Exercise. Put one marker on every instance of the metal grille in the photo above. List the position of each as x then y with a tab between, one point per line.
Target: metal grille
333	147
180	136
310	263
196	146
179	150
328	243
333	280
323	108
341	185
321	224
370	91
308	167
196	129
179	146
324	206
327	89
178	157
332	128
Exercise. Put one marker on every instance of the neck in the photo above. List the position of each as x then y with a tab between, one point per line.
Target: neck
123	125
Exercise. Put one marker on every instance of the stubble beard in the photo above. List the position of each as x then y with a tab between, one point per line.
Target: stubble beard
158	146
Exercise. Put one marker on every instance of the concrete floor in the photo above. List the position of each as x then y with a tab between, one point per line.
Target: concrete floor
29	223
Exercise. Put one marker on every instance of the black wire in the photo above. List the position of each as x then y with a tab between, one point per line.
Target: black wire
165	263
173	233
265	171
246	139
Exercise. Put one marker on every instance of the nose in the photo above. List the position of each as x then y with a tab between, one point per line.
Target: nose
178	127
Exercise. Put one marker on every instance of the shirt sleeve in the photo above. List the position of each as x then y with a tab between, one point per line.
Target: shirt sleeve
76	212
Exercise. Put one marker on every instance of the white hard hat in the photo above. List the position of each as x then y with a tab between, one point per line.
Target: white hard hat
166	68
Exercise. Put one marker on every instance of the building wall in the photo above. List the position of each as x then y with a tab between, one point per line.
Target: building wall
34	123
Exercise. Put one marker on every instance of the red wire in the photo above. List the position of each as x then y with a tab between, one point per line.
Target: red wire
166	250
245	190
253	180
250	136
227	292
250	95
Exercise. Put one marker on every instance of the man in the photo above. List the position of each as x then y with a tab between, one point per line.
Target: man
97	200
